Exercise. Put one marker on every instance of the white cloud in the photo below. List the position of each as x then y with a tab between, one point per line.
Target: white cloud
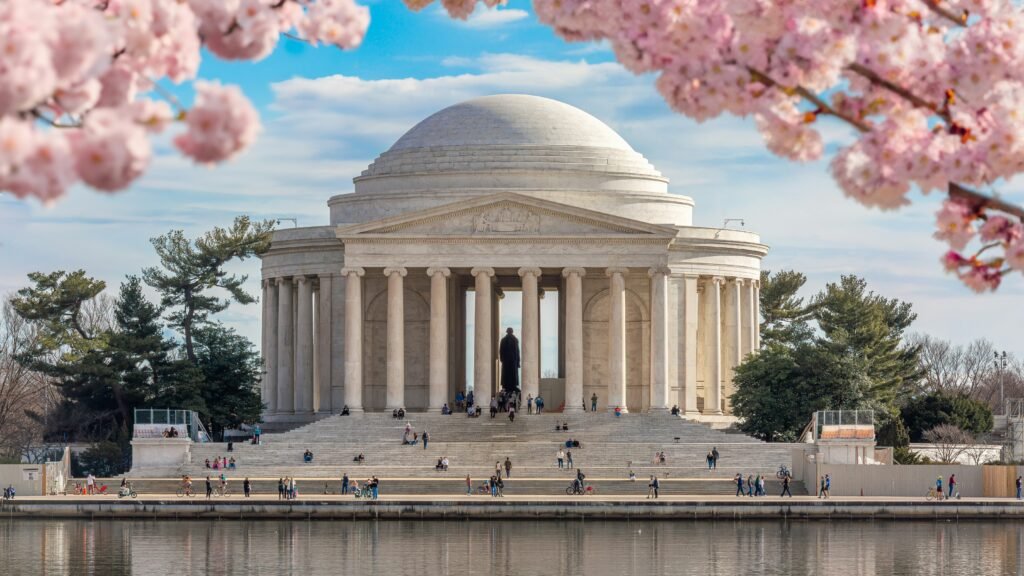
322	132
493	17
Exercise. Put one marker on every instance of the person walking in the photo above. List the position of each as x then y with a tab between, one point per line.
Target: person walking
711	460
821	488
246	487
469	486
785	487
593	402
652	488
529	403
938	488
739	484
512	413
750	485
568	459
494	486
1018	487
508	467
375	487
714	457
344	484
561	458
828	485
426	438
539	403
952	484
500	488
209	488
280	488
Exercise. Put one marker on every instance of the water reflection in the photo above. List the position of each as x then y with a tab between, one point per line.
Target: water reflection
78	547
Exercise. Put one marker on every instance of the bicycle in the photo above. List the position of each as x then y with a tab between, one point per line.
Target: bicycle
574	490
783	472
185	491
127	492
934	494
222	490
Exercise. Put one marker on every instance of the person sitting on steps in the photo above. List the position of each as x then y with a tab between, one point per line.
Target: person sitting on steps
307	456
344	410
359	459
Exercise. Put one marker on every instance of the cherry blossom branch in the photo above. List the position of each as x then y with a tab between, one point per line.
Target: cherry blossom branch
52	121
978	201
900	91
813	98
166	95
959	20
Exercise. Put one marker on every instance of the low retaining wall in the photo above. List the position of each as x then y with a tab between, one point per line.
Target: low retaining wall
488	509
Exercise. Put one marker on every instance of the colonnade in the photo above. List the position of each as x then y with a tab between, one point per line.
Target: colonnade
717	314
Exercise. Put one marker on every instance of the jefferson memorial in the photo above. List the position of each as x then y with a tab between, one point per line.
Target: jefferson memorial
497	194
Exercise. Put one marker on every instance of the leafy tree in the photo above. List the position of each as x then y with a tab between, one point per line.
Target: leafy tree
893	433
779	389
855	321
56	304
785	317
105	459
231	369
189	272
936	409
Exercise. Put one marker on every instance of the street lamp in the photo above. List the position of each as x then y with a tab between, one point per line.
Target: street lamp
1000	364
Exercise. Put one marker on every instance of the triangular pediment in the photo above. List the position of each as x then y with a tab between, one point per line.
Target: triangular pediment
506	214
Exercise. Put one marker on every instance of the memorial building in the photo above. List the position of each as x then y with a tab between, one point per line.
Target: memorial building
507	193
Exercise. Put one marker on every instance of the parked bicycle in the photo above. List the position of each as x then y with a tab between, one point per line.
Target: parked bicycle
783	472
934	494
185	491
577	489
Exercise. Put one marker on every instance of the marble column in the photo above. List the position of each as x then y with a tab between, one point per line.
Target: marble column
573	338
659	338
285	344
324	351
749	320
304	347
483	367
395	396
270	345
353	338
438	387
734	336
617	338
531	333
713	346
688	347
757	314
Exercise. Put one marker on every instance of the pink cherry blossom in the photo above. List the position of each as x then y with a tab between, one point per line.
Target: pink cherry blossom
1015	255
111	150
1000	229
981	278
955	224
220	124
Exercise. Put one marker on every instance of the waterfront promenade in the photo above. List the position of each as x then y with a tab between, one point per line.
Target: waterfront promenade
399	506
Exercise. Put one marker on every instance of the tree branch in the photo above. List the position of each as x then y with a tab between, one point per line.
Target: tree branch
813	98
978	200
899	91
959	20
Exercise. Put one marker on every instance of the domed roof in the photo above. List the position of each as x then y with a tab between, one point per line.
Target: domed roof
511	120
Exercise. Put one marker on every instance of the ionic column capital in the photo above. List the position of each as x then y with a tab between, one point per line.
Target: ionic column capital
434	270
268	282
281	280
581	272
489	272
299	280
616	270
532	271
717	279
358	271
400	270
658	270
737	281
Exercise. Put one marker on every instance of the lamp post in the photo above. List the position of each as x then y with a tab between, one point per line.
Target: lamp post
1000	364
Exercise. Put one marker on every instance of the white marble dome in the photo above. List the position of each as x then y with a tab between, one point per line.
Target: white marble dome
512	142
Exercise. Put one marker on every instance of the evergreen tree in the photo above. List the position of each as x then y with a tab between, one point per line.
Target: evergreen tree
785	317
859	323
231	368
189	271
138	347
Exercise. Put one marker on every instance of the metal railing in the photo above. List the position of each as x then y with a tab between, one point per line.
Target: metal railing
844	425
154	422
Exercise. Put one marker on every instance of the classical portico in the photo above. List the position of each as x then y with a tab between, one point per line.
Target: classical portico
495	194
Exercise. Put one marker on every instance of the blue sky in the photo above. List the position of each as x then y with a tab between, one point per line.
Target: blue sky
327	114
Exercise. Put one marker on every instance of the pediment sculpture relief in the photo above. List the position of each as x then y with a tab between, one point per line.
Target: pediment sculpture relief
507	220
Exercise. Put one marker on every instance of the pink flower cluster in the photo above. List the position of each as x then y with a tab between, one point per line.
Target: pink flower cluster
957	225
74	78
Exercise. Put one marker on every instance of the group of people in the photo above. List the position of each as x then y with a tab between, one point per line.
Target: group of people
410	437
9	492
221	463
659	458
753	485
287	488
533	404
494	485
398	413
712	458
442	464
564	458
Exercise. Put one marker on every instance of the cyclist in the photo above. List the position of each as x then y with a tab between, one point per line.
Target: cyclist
186	484
223	484
580	477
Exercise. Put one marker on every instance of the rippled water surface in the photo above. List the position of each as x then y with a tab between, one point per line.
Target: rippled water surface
433	548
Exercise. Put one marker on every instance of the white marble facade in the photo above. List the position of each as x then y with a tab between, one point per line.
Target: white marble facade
507	192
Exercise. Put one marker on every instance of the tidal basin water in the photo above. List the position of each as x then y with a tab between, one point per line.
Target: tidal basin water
433	548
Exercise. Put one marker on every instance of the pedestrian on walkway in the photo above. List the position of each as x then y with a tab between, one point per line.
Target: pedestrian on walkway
739	484
494	486
90	484
539	403
952	484
561	458
246	486
821	488
469	486
785	487
568	458
714	457
750	485
1018	487
711	460
508	467
500	488
512	413
344	483
209	488
426	438
593	402
375	487
280	488
652	488
529	403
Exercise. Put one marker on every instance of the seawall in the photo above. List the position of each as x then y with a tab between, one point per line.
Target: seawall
485	508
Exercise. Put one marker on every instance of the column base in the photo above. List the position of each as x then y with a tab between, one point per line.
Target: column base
573	410
352	410
691	414
712	413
